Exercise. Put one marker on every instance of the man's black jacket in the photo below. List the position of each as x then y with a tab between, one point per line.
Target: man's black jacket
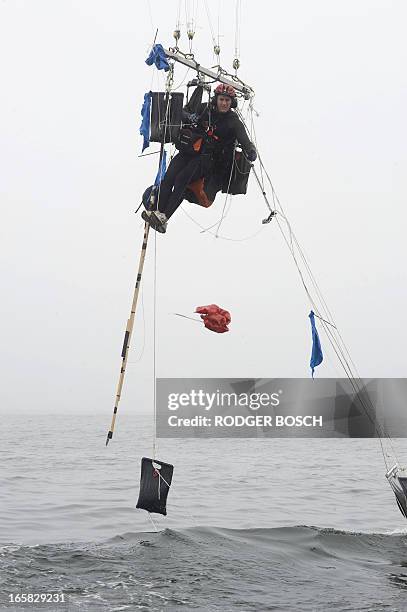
227	128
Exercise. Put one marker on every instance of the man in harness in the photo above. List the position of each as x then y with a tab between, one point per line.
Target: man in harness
206	149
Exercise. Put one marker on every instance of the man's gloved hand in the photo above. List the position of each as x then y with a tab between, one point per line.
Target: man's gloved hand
193	118
251	155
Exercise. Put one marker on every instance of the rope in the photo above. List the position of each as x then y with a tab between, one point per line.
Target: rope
254	136
168	90
214	43
185	317
327	322
223	214
150	15
155	343
227	193
237	28
178	23
218	38
162	478
336	339
190	16
186	8
366	406
152	522
182	82
146	154
331	331
206	230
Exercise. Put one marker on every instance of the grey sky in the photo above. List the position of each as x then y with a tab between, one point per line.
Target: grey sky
331	92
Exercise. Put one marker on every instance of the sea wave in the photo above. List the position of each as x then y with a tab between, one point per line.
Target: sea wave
212	568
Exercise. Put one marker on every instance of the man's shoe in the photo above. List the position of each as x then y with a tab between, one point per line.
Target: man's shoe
158	221
146	215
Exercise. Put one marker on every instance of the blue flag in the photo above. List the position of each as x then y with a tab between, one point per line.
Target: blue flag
316	354
157	56
145	121
161	169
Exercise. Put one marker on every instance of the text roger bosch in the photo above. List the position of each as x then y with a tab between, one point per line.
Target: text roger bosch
257	420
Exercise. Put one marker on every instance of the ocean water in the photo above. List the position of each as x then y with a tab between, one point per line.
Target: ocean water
267	524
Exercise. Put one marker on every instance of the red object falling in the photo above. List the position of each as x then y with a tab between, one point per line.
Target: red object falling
215	318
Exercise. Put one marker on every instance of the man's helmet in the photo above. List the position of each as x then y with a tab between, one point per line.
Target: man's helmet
225	90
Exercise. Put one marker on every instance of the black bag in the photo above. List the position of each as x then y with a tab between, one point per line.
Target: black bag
240	175
162	122
189	142
155	482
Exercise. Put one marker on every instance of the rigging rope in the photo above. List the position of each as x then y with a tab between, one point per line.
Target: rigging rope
207	231
223	214
183	80
155	345
238	10
331	330
216	47
190	16
168	87
224	211
150	15
368	406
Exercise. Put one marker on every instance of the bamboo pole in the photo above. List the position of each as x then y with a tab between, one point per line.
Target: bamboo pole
129	331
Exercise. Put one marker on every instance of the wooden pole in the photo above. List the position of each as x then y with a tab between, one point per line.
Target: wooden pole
129	331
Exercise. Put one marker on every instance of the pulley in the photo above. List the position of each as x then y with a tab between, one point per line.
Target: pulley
177	35
236	63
